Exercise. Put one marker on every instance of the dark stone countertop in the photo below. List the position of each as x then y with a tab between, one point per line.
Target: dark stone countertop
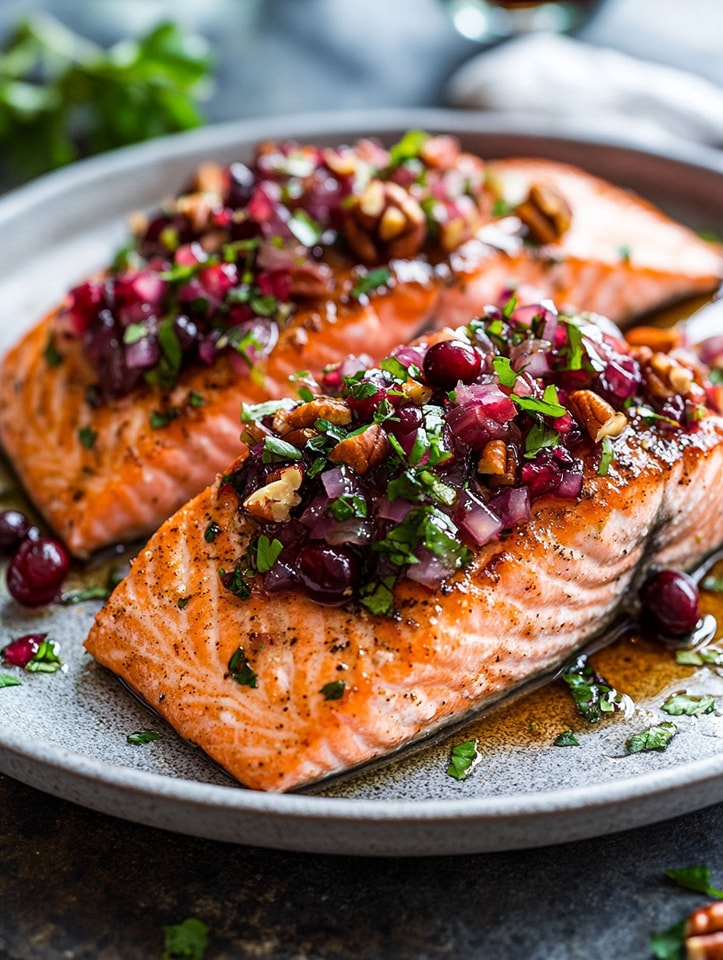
77	885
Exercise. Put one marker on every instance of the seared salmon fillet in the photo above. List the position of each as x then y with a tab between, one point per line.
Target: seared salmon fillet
123	402
417	542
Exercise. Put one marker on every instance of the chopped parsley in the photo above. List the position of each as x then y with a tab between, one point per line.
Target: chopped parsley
566	739
463	759
87	437
235	581
161	418
668	944
240	670
142	737
7	681
183	602
683	704
378	597
267	553
592	695
187	940
52	356
694	878
277	449
607	453
369	282
656	737
211	531
700	657
333	690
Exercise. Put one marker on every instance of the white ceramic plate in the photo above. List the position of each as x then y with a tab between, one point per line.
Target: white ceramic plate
66	733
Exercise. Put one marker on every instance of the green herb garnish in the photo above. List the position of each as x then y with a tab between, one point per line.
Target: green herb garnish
378	597
87	437
161	418
183	602
683	704
408	148
211	531
142	737
240	670
694	878
463	759
592	695
277	449
185	941
46	659
654	738
235	580
713	584
668	944
566	739
52	356
267	553
703	656
370	282
333	690
7	681
607	452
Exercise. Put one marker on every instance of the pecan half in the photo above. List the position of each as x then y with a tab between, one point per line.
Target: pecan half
499	462
665	376
362	451
384	222
275	500
703	933
306	415
596	415
545	212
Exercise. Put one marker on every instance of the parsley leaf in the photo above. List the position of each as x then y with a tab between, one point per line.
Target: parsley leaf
142	737
592	695
694	878
211	531
333	690
683	704
187	940
7	681
567	739
277	449
654	738
607	452
63	96
87	437
369	282
408	148
464	758
52	356
378	597
267	553
240	670
46	659
668	944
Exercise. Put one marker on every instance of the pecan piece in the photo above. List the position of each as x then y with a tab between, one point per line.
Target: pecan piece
499	462
306	415
545	212
362	451
703	933
384	222
275	500
596	415
665	376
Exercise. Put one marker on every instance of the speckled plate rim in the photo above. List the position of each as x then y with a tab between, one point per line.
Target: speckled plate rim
350	825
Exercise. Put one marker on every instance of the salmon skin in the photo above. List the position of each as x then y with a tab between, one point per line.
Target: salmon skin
415	543
123	402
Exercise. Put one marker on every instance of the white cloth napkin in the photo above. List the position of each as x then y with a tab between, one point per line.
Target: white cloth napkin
557	76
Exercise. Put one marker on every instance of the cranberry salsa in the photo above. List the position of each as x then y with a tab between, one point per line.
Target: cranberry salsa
401	471
222	267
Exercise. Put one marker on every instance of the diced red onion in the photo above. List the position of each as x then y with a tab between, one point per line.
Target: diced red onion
511	505
476	519
430	571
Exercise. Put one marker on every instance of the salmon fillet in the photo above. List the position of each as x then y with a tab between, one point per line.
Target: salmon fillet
225	629
107	451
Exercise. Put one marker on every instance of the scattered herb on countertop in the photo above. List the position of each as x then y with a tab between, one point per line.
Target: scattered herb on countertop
668	944
187	940
7	681
142	737
694	878
703	656
63	96
656	737
463	760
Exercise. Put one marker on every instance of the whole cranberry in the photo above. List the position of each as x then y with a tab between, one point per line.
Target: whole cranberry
329	575
449	361
37	570
14	528
671	602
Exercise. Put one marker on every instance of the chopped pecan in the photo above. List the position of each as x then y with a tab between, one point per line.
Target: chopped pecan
499	462
362	451
703	933
545	212
306	415
596	415
657	338
665	376
208	178
384	222
416	392
254	432
275	500
299	437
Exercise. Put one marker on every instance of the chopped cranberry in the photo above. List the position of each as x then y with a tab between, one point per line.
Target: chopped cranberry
19	653
330	575
671	602
14	528
37	570
448	362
